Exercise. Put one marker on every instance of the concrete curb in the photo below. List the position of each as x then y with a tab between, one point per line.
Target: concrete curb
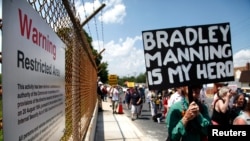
90	135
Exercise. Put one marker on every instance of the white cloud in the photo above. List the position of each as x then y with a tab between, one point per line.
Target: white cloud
113	12
86	9
241	57
123	57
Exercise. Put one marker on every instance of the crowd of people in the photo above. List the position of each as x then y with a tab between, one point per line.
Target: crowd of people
112	92
188	115
133	99
184	109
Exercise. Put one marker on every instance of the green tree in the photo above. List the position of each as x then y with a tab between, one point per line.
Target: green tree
102	72
141	78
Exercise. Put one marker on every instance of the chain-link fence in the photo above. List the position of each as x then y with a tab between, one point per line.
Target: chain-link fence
80	67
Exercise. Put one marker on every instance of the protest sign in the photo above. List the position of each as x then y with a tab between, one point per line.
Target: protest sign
188	55
113	79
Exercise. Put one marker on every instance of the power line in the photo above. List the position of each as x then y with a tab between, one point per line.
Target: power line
85	13
97	35
95	24
102	27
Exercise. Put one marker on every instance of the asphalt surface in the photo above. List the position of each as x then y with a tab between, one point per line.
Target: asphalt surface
152	130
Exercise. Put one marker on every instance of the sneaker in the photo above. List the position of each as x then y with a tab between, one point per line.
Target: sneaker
132	119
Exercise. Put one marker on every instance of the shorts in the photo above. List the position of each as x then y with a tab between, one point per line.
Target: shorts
135	109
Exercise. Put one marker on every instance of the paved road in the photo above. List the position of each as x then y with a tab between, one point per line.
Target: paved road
153	130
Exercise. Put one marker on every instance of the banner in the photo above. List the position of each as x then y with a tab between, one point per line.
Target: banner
131	84
188	55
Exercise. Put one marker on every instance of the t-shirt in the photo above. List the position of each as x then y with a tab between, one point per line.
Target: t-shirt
174	98
134	98
104	90
158	101
115	94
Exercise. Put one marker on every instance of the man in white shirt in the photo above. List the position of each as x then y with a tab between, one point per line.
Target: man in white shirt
115	98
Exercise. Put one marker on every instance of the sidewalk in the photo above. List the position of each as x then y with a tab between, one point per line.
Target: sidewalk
115	127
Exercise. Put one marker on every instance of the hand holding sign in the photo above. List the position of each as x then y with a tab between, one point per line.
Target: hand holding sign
191	113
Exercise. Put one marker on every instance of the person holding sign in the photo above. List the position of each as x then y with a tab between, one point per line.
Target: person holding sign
188	120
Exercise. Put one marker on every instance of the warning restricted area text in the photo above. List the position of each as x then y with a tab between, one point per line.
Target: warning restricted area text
36	100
